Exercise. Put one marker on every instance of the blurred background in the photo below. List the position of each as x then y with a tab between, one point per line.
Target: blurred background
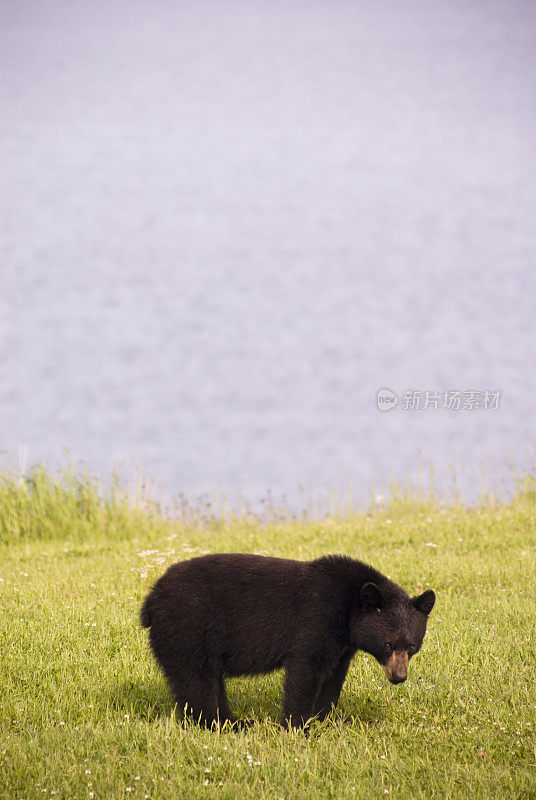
227	225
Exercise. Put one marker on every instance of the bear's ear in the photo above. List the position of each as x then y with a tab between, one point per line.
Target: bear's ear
371	597
424	602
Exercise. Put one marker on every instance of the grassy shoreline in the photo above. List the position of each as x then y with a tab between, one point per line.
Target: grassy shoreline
85	713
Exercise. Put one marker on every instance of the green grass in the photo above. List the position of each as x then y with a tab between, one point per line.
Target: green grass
85	712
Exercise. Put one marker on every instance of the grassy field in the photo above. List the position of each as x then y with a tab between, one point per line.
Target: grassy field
85	713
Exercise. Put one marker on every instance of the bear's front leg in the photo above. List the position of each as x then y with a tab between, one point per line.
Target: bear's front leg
302	685
329	693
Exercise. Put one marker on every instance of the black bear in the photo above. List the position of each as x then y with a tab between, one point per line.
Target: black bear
235	614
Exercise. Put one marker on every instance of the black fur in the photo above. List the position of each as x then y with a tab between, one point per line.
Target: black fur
235	614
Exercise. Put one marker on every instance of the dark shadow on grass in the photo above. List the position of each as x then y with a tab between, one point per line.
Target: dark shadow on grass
148	701
153	700
364	709
257	698
253	700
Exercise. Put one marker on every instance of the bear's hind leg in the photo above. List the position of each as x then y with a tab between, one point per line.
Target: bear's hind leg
224	712
197	697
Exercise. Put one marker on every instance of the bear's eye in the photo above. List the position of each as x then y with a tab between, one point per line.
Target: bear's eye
412	648
388	646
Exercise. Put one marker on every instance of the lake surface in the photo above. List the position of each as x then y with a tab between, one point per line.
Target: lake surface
226	226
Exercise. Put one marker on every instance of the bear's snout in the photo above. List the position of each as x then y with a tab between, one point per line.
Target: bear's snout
396	667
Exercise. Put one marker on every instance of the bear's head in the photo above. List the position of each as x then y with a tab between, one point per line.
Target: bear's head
390	626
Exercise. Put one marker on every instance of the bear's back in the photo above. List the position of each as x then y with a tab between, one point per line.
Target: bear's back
240	610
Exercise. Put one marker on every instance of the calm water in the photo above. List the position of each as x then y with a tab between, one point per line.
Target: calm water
225	226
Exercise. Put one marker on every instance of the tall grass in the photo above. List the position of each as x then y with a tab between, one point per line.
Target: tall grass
85	713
